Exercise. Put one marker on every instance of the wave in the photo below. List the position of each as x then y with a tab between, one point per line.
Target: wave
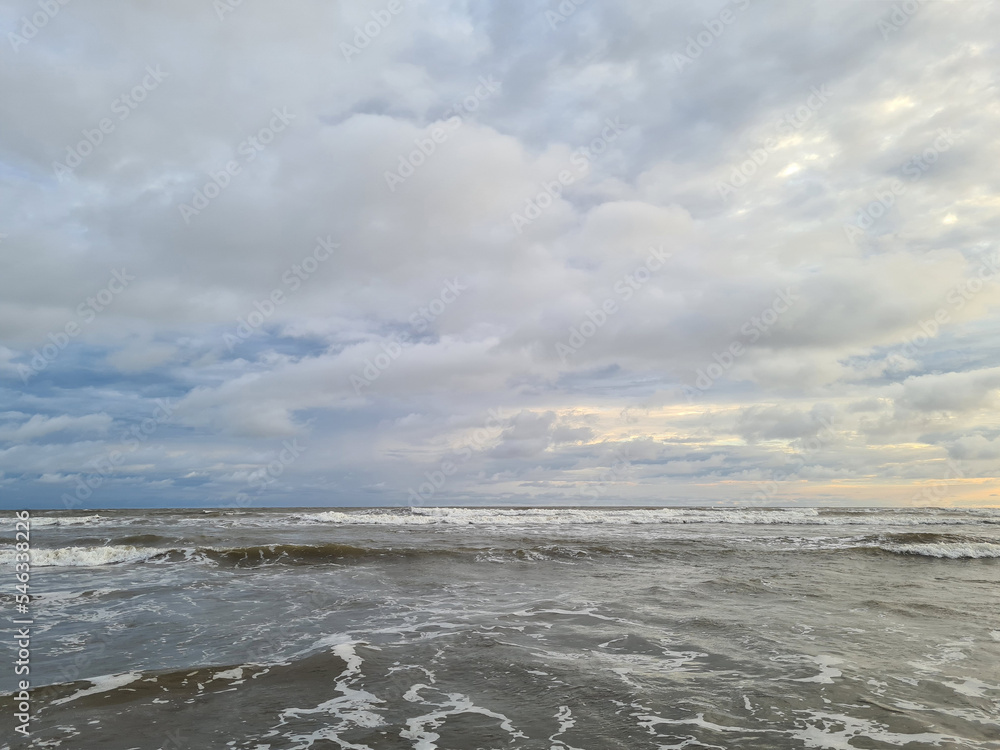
287	554
292	554
89	556
943	546
947	550
66	520
643	516
489	517
928	544
301	554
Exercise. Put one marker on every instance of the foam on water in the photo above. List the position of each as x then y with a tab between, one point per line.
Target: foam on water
566	722
561	516
948	550
101	685
837	731
86	556
354	707
953	549
65	520
646	516
412	641
420	729
828	672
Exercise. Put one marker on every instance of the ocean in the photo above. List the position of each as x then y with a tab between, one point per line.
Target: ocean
490	629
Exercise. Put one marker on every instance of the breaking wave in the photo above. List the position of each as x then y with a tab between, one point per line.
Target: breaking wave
947	550
631	516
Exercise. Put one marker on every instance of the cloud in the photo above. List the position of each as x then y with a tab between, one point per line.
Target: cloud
38	426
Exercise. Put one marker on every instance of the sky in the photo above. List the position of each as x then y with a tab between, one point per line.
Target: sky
523	252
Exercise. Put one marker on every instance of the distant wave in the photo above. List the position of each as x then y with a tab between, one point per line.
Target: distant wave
65	520
630	516
566	516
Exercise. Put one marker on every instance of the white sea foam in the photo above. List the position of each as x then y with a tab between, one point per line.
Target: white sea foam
65	520
973	688
949	550
559	516
229	674
420	729
444	516
838	731
566	722
828	672
354	707
86	556
101	685
644	516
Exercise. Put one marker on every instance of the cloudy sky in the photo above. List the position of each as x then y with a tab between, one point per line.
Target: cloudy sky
530	252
